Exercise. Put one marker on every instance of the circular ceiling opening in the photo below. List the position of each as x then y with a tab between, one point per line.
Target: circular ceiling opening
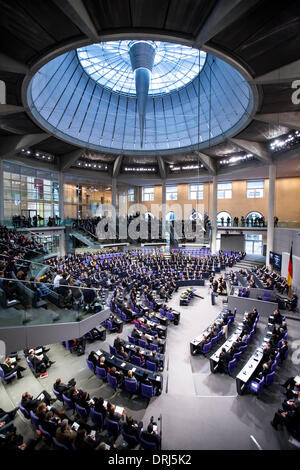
140	97
109	64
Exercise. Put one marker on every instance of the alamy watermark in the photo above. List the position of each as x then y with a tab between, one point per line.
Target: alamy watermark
296	93
296	353
141	222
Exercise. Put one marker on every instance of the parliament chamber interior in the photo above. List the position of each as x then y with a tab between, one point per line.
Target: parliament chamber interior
149	226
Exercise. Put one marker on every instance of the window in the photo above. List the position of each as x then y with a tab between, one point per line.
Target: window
224	219
148	193
196	191
255	219
224	190
171	193
131	195
255	188
253	244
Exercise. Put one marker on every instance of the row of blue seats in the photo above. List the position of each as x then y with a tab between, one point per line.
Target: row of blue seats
112	427
132	387
137	361
258	386
236	356
207	347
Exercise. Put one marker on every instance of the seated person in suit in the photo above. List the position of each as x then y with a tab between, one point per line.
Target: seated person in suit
139	354
267	351
40	362
199	347
215	328
135	333
288	405
224	359
292	304
123	353
158	342
64	434
280	333
114	321
130	377
118	342
271	360
265	371
6	422
50	423
274	340
73	393
60	387
95	333
284	326
94	358
154	358
225	316
30	403
82	399
102	363
119	376
292	388
42	409
9	367
245	329
254	313
150	435
283	349
248	321
276	318
234	349
112	413
290	419
132	427
240	343
84	441
99	406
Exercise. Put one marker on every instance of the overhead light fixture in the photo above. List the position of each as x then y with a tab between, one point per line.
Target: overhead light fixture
285	141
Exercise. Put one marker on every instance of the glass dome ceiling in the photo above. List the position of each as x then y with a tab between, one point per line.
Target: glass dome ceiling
108	63
90	98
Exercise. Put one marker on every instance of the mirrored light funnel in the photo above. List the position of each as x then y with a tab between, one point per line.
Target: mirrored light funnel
142	56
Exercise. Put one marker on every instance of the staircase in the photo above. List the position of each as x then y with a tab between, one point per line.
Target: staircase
85	238
250	261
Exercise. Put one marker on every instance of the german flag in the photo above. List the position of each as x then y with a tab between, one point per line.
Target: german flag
290	271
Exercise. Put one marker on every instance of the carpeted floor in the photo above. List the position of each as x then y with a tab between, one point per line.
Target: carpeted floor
198	410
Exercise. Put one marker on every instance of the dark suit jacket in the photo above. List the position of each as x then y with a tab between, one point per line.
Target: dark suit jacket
100	409
150	437
115	417
283	351
50	427
62	388
7	369
131	430
225	357
30	404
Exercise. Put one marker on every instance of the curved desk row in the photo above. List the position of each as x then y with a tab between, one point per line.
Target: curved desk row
138	372
190	282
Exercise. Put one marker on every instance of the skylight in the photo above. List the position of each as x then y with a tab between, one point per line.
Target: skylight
108	63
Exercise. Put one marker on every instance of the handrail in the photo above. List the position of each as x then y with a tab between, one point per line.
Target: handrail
23	248
27	261
47	284
87	231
